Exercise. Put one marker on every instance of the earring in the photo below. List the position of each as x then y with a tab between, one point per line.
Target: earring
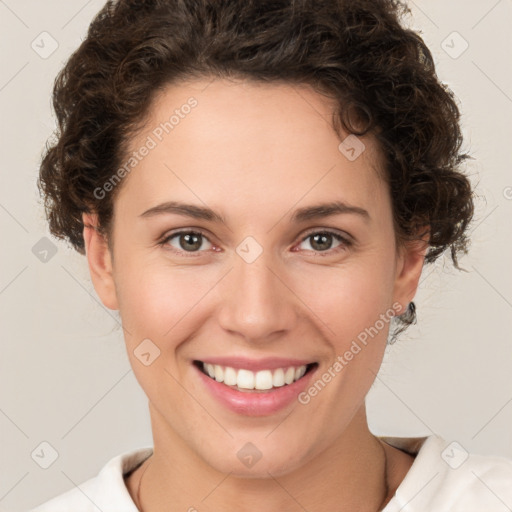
405	319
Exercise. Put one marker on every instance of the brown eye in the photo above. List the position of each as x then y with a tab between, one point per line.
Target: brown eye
187	241
322	241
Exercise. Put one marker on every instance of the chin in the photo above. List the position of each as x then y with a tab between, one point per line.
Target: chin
256	460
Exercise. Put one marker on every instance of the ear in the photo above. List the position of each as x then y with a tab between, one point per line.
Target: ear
100	261
408	271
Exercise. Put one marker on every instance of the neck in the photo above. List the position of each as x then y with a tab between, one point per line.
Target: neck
348	475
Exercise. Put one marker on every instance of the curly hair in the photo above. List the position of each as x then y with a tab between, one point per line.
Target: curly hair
380	74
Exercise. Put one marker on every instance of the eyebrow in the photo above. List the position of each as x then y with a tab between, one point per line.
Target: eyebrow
327	210
301	215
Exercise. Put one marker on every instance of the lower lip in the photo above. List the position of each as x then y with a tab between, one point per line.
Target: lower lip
256	403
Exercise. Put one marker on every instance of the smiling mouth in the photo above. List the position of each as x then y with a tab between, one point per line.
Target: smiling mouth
249	381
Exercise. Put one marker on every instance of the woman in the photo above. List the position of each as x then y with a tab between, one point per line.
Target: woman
256	187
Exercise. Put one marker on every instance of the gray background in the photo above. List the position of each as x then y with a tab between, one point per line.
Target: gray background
64	374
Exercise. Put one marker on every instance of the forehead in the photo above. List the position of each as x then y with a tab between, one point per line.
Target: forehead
275	141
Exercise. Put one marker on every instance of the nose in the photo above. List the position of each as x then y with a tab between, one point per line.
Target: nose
257	302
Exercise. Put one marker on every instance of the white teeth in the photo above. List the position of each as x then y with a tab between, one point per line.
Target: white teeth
210	370
289	376
219	373
230	376
278	378
299	372
246	379
263	380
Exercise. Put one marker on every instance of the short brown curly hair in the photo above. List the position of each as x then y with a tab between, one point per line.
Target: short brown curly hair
380	74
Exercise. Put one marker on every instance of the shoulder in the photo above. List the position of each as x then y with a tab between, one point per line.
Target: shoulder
106	491
446	477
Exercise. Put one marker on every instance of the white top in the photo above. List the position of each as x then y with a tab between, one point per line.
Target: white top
443	478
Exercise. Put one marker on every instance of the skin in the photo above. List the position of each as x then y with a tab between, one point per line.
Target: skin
255	153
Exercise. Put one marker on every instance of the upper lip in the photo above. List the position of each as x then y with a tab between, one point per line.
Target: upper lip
267	363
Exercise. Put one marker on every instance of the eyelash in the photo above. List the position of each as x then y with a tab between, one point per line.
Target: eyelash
345	242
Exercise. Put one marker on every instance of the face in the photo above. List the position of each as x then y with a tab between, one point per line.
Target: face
267	282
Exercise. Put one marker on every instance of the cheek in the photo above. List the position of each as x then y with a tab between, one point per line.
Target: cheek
158	303
349	299
155	298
